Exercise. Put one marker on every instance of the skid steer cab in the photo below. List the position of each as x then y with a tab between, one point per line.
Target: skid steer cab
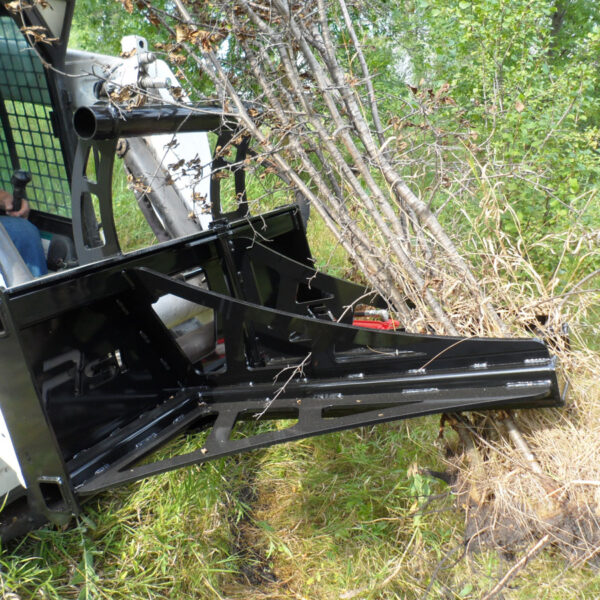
111	355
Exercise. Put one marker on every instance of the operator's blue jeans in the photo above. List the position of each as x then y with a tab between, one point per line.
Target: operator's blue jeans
26	237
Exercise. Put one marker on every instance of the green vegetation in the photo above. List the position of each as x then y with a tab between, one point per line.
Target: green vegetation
132	228
341	516
510	90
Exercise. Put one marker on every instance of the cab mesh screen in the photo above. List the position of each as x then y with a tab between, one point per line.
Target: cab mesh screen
26	138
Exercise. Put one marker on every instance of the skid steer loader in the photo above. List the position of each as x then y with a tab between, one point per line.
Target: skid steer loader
112	355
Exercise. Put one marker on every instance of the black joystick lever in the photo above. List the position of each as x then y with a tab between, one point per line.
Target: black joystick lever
19	181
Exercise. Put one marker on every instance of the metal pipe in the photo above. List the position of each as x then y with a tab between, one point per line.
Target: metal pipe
106	122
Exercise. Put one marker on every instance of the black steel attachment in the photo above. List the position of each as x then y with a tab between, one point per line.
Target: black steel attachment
263	336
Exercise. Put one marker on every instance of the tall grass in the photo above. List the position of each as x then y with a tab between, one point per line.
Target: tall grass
342	516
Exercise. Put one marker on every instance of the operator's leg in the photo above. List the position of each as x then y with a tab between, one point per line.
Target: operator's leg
26	237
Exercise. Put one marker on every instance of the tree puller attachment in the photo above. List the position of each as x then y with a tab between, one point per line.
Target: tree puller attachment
104	362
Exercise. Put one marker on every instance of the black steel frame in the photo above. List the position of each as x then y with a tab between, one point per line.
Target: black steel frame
100	127
108	384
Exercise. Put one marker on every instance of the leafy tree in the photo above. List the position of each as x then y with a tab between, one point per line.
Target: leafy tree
524	84
99	28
